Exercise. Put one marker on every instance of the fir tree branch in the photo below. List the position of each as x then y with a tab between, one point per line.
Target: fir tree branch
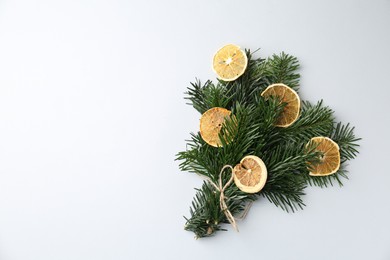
237	134
250	130
202	98
286	165
326	181
246	88
284	188
282	68
206	214
314	120
344	136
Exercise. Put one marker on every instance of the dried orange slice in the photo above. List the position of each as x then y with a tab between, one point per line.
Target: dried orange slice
330	158
230	62
287	95
211	123
250	174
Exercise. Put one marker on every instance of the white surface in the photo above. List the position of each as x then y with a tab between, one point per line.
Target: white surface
92	114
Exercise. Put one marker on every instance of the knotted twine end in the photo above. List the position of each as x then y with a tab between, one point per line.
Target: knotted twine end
221	188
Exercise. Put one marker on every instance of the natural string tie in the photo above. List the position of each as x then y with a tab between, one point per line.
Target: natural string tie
221	188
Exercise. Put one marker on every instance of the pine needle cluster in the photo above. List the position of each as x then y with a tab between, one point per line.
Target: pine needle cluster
283	150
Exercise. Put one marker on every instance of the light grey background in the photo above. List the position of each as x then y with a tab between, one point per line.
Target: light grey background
92	114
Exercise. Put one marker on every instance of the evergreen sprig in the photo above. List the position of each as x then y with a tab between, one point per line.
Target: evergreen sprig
250	130
314	120
206	96
282	68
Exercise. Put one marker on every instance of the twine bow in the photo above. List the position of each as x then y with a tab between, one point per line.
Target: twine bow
221	188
